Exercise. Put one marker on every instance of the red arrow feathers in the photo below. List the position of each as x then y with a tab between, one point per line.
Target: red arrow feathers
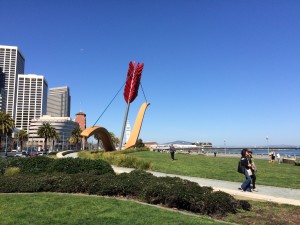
133	79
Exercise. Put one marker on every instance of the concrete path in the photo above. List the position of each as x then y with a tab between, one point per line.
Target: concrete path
265	193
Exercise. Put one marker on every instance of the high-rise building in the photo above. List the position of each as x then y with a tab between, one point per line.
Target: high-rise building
2	91
12	62
31	99
59	101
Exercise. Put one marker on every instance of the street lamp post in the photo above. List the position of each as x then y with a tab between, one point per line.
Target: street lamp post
267	138
225	146
6	145
63	144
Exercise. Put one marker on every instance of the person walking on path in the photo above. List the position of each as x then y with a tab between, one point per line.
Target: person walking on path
172	151
253	170
245	165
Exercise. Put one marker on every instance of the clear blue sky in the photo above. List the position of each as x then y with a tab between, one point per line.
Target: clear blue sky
214	69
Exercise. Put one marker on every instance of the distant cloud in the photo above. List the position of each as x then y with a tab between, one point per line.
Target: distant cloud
82	49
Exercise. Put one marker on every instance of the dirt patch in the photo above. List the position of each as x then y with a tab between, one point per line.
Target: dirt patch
266	214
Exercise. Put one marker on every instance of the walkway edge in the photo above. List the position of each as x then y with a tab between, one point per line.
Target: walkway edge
217	186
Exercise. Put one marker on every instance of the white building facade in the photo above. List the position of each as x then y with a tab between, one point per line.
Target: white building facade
63	126
31	102
127	131
59	102
12	63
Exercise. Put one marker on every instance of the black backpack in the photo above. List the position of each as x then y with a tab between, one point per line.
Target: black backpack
241	169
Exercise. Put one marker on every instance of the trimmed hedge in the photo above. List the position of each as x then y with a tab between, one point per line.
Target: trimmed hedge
168	191
36	165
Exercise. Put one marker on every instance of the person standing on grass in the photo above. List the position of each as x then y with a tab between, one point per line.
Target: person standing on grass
278	157
172	151
253	170
245	165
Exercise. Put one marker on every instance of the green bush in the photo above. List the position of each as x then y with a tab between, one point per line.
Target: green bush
297	162
245	205
52	153
220	203
77	165
26	165
171	192
36	165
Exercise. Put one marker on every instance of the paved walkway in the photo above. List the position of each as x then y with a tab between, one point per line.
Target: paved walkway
265	193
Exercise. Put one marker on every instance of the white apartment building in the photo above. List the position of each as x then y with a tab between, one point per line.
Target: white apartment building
59	101
31	101
12	62
63	126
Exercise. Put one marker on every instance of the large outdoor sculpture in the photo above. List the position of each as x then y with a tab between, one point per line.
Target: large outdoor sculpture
103	134
132	84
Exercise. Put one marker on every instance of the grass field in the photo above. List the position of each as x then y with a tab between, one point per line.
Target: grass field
67	209
223	168
45	208
54	208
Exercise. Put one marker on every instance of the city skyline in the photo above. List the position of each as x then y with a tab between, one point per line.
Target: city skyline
214	70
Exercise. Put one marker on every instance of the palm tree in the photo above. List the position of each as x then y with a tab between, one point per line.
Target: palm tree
54	136
45	131
7	123
21	136
75	136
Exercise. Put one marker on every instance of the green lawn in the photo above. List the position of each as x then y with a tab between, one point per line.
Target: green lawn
45	208
223	168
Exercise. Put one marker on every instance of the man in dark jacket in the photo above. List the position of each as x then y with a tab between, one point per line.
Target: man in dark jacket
172	151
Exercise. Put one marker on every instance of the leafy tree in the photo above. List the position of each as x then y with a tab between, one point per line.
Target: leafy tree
75	136
99	142
21	136
139	143
7	123
45	131
114	139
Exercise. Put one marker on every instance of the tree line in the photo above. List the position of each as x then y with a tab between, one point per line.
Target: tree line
46	131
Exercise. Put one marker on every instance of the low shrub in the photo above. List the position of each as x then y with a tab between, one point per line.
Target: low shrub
36	165
220	203
171	192
119	158
11	171
297	162
52	153
245	205
77	165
